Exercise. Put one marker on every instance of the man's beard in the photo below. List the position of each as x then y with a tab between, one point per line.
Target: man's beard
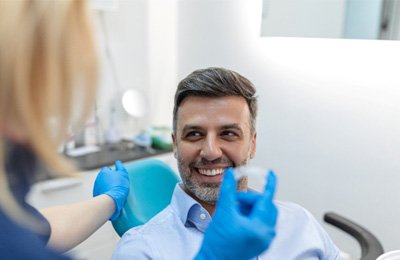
206	192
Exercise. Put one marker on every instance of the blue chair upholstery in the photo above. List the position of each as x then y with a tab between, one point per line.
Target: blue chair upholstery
152	183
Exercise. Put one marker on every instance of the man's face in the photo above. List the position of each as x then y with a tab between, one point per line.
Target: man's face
211	135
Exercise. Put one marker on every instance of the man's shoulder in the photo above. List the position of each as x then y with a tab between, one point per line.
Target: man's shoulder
164	236
290	207
161	220
290	212
138	240
304	233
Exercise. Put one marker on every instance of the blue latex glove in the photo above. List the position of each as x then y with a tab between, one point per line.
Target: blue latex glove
243	225
246	200
114	183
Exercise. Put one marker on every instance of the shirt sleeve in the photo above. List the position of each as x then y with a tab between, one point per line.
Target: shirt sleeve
331	251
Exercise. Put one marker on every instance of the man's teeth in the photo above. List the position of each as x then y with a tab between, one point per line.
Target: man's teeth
211	172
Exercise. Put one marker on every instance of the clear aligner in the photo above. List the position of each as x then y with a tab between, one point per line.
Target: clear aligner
249	170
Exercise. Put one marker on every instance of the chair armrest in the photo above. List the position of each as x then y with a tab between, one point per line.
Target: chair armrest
371	248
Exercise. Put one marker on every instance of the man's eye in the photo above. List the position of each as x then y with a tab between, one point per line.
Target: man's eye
229	134
193	135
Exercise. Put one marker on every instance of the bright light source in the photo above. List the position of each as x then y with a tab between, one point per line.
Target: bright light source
134	103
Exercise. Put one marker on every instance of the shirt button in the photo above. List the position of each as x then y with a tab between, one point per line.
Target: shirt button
202	216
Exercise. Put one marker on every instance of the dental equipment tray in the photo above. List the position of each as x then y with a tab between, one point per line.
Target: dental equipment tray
109	153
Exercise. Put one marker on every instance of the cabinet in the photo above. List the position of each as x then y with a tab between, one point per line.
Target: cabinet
62	191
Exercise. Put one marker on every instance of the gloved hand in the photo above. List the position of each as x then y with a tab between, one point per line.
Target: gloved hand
114	183
243	225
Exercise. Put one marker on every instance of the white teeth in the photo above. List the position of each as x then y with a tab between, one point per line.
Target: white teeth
212	172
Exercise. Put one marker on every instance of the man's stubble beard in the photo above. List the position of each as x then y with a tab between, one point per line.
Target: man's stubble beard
205	192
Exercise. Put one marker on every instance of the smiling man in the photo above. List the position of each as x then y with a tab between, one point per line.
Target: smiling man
211	134
214	128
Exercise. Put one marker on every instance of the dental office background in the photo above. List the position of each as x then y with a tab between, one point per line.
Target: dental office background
329	109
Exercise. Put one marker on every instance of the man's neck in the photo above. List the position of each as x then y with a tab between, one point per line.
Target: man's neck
209	207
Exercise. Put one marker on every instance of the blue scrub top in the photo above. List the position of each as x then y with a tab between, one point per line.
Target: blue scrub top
16	241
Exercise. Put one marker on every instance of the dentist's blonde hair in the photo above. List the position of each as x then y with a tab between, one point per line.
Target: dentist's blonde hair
47	71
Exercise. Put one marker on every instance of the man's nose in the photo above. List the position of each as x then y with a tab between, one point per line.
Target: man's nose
211	149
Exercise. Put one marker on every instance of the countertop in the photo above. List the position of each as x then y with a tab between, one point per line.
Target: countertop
108	154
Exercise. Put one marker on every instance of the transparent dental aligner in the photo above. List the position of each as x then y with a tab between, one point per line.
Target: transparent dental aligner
256	172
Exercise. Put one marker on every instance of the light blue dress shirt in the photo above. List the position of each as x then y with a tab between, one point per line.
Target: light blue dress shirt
177	233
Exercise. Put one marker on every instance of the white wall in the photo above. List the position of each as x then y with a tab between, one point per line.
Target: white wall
329	111
125	31
303	18
141	35
331	123
351	19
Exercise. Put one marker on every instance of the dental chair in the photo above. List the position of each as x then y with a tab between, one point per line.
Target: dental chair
152	183
371	248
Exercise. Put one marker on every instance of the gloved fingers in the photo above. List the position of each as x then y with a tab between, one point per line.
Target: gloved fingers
246	201
269	213
270	186
120	167
247	197
227	190
105	169
97	188
108	179
265	209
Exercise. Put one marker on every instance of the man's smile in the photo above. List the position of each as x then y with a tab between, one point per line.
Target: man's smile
211	172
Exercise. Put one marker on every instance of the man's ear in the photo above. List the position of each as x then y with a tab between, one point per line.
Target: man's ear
174	145
253	145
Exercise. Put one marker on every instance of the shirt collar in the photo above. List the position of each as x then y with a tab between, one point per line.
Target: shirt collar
190	212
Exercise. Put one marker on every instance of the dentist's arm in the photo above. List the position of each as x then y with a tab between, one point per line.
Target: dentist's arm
243	225
72	224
